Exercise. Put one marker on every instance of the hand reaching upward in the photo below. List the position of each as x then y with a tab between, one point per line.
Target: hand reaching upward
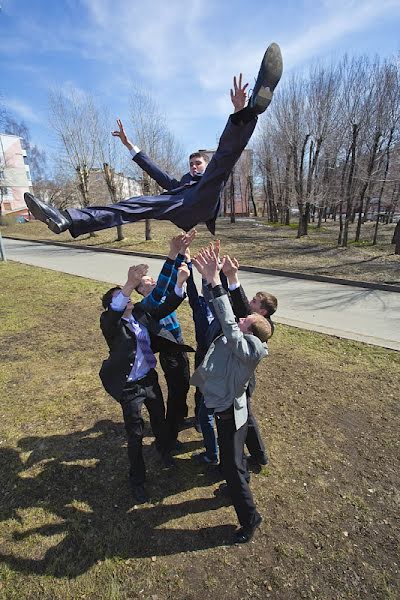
122	135
238	94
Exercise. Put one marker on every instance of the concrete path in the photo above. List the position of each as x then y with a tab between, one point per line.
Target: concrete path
371	316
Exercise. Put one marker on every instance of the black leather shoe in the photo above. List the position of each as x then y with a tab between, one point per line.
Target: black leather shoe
167	461
268	78
257	460
55	220
139	494
245	534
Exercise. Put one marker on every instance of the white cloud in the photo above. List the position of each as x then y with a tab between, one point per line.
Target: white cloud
22	109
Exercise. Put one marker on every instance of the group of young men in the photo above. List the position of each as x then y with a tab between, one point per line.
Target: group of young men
231	336
231	333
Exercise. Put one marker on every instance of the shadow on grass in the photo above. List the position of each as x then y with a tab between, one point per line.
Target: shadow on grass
77	489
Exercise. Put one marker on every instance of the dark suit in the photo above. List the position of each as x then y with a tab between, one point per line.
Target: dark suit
186	202
115	371
254	443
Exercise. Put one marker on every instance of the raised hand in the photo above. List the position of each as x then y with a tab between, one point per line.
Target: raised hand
207	263
238	94
187	240
175	245
183	274
136	272
230	266
122	135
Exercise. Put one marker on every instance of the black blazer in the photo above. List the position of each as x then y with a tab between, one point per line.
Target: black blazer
121	340
173	186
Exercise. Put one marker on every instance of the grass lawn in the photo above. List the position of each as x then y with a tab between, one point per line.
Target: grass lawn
255	242
327	408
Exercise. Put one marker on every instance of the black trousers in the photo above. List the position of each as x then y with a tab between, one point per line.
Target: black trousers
176	370
254	442
148	392
231	447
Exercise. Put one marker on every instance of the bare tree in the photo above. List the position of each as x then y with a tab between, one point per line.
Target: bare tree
110	158
152	135
75	121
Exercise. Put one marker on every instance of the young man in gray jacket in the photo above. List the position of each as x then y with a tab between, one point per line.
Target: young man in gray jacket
223	377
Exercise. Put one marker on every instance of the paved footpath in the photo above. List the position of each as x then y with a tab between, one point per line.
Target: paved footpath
367	315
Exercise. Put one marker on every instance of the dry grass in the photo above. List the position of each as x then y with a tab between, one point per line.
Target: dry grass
327	408
257	243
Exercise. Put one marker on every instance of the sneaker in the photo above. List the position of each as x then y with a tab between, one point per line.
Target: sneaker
202	459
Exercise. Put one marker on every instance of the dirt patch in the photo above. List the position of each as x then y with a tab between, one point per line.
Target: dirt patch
327	409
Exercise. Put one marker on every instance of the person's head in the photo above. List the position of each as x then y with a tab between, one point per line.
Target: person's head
109	295
257	325
264	304
198	162
146	285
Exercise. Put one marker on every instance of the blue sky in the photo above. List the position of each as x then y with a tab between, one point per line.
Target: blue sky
184	52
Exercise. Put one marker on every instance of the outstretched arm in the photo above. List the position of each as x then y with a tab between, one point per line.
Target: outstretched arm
144	162
240	303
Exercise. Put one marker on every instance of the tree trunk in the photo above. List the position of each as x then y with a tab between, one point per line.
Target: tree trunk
348	194
383	186
232	198
120	233
364	188
396	238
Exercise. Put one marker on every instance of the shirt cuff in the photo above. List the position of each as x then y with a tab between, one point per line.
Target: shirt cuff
180	291
119	302
134	151
233	286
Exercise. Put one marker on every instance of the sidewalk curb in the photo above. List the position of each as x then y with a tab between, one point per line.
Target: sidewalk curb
265	271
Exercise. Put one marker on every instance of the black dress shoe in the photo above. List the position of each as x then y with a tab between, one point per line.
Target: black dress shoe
268	78
55	220
245	534
167	461
139	494
257	460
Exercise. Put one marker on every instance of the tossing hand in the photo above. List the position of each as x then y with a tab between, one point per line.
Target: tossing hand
208	265
183	274
136	272
238	94
230	267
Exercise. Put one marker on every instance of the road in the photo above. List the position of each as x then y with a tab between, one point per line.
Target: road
371	316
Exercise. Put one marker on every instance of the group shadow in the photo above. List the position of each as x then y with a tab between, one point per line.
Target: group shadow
80	482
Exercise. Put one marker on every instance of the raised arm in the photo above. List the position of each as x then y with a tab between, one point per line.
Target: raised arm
240	303
243	346
144	162
173	300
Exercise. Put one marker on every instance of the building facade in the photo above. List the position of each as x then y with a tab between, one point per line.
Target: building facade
15	177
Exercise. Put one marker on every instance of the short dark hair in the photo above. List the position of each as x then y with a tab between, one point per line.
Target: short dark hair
268	302
108	296
200	154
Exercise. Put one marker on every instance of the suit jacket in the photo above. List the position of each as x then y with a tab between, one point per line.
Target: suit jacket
229	363
170	184
121	341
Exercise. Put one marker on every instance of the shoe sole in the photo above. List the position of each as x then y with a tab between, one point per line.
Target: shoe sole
272	67
38	213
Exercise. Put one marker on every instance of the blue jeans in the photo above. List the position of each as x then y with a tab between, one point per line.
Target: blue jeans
206	419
